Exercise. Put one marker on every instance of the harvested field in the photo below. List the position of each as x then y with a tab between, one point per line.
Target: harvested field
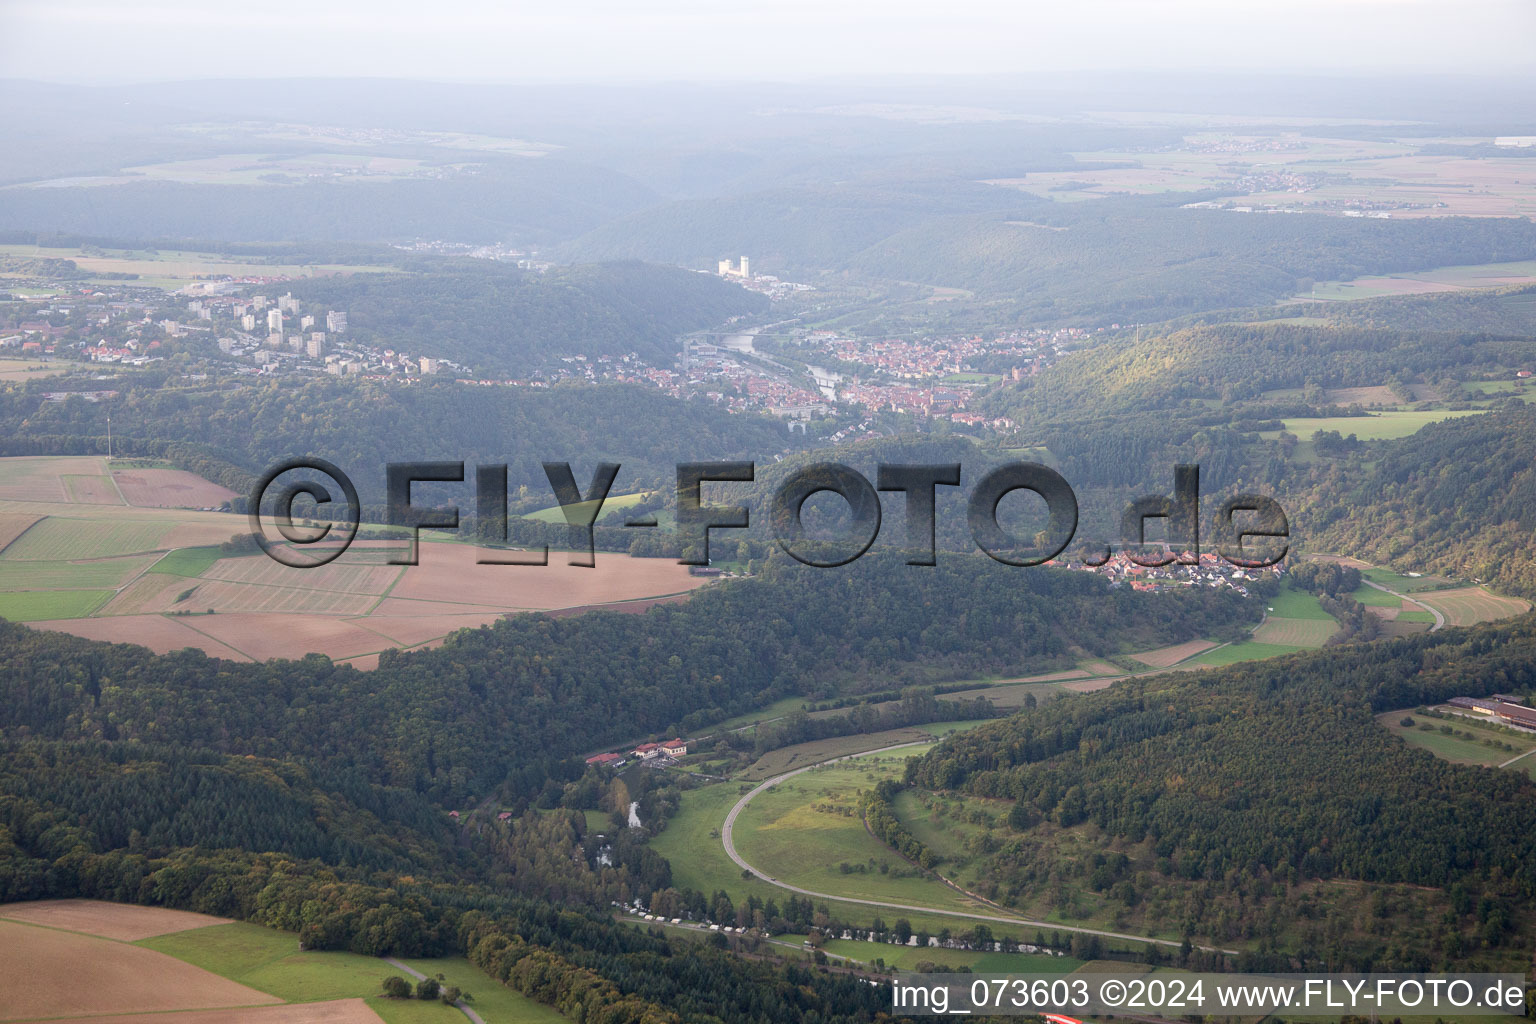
1090	685
1466	606
159	633
170	488
145	593
1162	657
449	573
91	490
411	630
236	598
335	1011
42	478
288	636
337	576
636	607
1100	668
122	921
57	538
68	974
393	607
13	525
1295	632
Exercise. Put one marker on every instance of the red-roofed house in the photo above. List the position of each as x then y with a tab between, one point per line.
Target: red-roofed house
674	748
605	760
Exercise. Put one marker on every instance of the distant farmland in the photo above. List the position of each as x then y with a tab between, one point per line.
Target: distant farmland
77	558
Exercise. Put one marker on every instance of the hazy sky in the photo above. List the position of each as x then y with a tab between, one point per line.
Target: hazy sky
593	40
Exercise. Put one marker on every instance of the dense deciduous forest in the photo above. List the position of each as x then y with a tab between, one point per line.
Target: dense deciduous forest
494	706
497	319
1458	497
233	433
1272	771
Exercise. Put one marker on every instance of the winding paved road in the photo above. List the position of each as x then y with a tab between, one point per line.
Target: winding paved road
730	851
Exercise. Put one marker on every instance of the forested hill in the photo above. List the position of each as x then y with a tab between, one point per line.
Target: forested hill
1456	497
1147	259
232	433
1274	771
510	703
1236	363
497	319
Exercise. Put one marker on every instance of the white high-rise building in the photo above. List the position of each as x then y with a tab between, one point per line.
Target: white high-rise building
336	321
306	323
274	321
316	344
744	271
248	322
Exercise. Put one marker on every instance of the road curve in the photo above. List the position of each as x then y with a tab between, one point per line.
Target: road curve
730	851
1439	619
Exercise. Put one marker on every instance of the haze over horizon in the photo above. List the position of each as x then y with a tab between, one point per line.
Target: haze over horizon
80	41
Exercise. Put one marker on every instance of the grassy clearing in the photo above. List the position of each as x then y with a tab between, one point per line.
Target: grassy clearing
1283	632
691	841
188	561
1373	598
1404	584
906	958
493	1000
27	369
271	961
1375	426
804	830
1459	749
778	709
1247	650
1291	603
41	605
613	503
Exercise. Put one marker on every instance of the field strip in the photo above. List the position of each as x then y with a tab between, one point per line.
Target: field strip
19	522
730	849
398	577
121	922
1439	618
